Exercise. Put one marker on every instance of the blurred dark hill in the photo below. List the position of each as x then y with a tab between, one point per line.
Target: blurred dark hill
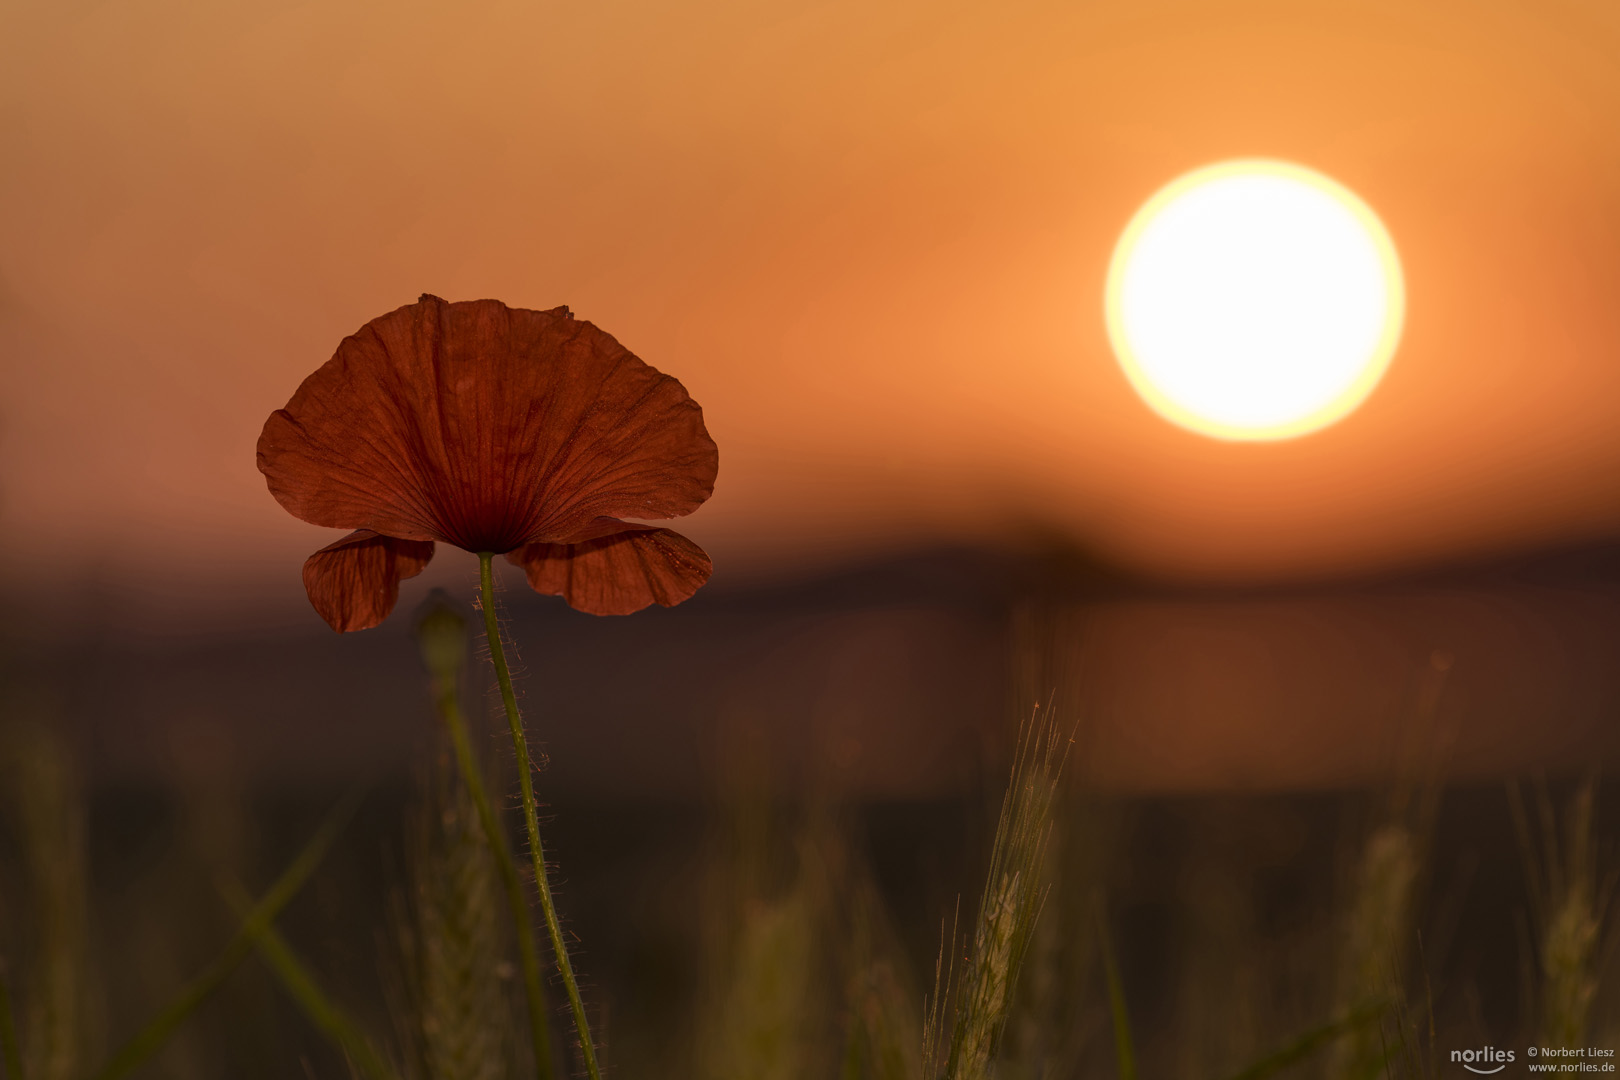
898	679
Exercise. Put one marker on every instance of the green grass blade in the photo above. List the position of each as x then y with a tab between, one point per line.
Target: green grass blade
1124	1047
150	1039
301	986
1313	1040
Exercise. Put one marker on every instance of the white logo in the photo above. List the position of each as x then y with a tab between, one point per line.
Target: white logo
1473	1060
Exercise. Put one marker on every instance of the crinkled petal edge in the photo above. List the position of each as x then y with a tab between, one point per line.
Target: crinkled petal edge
354	583
615	567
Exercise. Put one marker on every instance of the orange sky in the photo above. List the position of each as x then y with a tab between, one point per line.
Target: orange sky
870	238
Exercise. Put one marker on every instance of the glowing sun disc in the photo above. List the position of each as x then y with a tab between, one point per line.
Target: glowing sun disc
1254	299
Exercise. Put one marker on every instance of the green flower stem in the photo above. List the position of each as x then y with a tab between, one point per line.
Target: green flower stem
151	1038
300	984
528	955
531	820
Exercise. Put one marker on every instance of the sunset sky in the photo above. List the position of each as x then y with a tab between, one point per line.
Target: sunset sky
871	239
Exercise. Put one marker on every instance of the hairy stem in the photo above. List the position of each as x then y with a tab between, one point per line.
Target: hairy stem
531	820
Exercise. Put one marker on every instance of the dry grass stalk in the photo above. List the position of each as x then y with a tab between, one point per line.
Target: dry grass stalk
936	1018
806	974
1057	1011
1372	968
1372	963
1009	909
879	1029
1568	905
1053	1013
764	925
989	980
882	1040
882	1037
761	1027
462	1011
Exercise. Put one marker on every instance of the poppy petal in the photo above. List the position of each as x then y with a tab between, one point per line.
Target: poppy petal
354	583
487	427
615	568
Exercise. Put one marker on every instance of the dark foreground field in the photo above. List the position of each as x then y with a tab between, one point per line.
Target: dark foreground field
1309	825
1230	916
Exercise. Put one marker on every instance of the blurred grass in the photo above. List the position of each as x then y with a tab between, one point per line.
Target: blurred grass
463	1014
797	943
1569	906
50	809
1015	891
813	971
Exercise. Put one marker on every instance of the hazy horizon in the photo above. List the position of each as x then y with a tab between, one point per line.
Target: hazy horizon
870	242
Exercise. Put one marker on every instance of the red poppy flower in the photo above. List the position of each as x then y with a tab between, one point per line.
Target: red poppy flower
516	432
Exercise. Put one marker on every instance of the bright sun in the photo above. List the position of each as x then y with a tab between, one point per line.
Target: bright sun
1254	300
